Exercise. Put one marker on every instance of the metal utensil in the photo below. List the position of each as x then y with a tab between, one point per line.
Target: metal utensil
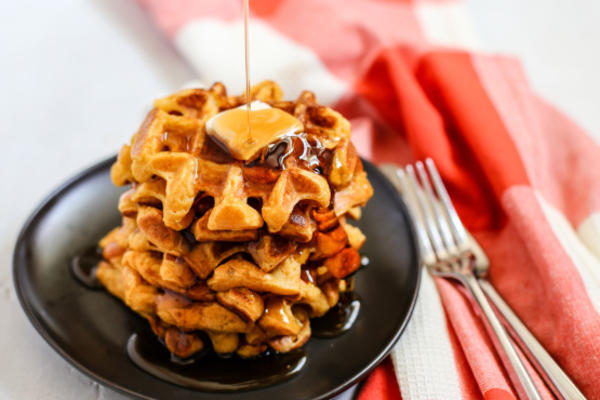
553	375
556	379
445	250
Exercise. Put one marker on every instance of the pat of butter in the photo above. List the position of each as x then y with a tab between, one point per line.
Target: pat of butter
230	128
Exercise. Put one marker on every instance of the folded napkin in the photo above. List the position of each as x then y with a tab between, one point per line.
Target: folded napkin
524	178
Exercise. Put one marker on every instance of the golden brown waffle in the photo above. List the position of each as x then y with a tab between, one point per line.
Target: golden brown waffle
241	254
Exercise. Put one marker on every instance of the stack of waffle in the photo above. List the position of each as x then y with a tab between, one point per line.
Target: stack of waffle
238	254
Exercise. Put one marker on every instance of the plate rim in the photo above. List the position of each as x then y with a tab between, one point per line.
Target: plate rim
67	184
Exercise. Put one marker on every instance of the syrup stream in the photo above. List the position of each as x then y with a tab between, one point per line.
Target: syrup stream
247	62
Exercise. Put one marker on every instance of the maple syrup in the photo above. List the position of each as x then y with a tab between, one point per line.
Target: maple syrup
211	372
339	319
249	137
83	267
307	150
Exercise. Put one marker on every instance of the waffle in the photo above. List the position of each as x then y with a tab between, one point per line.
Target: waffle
238	255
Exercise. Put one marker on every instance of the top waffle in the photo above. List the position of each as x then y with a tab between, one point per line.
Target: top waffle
172	164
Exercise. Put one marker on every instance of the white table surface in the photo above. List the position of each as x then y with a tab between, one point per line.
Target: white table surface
77	76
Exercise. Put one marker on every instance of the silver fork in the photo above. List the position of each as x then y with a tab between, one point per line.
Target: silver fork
446	251
556	379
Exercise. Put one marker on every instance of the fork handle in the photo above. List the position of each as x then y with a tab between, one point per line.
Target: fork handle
524	384
558	381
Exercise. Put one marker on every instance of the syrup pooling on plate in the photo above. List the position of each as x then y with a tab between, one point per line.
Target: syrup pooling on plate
211	372
339	319
83	267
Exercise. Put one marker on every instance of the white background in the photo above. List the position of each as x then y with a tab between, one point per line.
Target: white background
77	76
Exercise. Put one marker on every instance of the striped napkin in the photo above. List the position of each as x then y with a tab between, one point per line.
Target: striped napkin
524	178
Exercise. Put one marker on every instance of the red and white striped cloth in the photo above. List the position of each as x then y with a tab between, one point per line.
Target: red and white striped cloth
524	178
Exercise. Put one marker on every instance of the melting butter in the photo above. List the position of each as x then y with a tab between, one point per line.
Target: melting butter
267	124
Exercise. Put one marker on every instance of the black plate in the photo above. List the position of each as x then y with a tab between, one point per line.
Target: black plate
90	328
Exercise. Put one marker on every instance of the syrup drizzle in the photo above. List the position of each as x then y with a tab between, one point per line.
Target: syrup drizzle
247	62
307	149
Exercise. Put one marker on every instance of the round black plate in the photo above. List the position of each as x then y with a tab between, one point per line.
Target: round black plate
90	328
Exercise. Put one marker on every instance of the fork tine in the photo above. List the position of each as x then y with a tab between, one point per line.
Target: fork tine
458	229
427	254
432	230
440	217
